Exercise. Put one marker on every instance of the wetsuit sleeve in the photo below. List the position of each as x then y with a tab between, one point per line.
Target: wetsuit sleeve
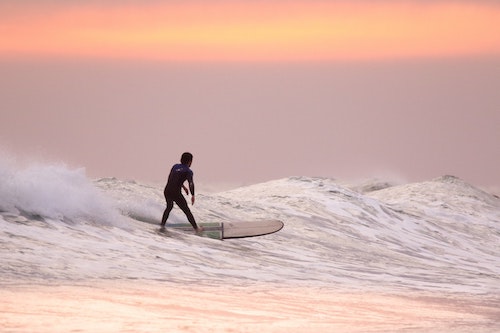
191	183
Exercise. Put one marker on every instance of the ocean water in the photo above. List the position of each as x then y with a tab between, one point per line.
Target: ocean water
369	257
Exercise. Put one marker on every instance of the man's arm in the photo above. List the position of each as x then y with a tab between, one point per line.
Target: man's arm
191	187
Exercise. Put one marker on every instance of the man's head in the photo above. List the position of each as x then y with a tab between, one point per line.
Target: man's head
187	158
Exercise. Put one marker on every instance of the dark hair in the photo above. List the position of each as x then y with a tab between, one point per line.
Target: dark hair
186	158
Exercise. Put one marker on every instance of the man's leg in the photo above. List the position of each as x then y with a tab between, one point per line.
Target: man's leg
181	202
170	205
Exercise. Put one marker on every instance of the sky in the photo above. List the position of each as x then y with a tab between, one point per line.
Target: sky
256	90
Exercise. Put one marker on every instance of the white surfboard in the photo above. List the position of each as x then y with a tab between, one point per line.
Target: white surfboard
227	230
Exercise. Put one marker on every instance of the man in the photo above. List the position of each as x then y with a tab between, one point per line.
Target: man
178	175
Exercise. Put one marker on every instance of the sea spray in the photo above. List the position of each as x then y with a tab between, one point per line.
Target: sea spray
53	191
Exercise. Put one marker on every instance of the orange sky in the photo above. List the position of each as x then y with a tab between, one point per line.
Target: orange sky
252	31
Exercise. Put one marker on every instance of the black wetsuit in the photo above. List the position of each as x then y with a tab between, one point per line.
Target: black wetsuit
178	175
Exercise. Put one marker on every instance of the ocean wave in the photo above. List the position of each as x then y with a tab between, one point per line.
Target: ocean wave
442	234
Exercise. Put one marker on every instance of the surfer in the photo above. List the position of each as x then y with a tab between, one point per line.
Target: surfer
178	175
